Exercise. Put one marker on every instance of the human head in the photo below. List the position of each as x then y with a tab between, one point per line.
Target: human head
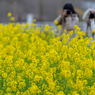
69	6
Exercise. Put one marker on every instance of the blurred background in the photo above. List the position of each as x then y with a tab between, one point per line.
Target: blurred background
41	10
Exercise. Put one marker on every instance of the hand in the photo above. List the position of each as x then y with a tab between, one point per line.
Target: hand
64	12
92	10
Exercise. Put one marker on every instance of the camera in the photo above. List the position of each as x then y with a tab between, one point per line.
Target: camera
92	15
68	12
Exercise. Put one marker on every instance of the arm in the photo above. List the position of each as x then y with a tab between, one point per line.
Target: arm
70	22
59	19
92	24
86	15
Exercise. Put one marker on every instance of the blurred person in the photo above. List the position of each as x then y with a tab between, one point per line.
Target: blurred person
89	18
67	19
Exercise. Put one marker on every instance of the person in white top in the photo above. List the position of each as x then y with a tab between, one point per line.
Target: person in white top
67	19
89	18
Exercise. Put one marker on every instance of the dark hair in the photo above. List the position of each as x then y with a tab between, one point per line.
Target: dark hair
69	6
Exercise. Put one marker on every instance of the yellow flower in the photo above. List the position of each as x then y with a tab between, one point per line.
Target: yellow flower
79	73
9	14
34	20
21	85
12	18
65	31
47	27
30	54
42	25
17	93
4	75
56	22
51	85
51	27
59	26
85	82
91	38
66	73
75	26
92	92
1	92
70	32
93	31
60	93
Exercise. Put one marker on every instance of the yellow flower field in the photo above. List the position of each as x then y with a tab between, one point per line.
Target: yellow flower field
33	61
